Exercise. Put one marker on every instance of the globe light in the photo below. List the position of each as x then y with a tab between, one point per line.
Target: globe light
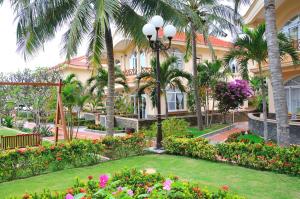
169	31
153	38
149	30
157	21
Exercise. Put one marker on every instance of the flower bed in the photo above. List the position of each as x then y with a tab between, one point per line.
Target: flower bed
26	162
135	184
258	156
245	137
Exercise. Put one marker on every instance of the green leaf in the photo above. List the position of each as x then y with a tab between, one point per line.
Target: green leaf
79	196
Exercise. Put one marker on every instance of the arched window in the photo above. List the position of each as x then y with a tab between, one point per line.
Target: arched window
179	55
233	66
292	30
133	60
143	61
292	88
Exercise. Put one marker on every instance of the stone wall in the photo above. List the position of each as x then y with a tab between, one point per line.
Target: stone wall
256	126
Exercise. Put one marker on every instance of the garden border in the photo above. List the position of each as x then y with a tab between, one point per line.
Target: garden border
217	131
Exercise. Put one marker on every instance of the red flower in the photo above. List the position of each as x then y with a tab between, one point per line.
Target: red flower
52	147
58	158
26	196
225	188
82	190
90	177
70	191
21	151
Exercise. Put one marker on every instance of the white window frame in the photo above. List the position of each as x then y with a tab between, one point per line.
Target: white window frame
175	92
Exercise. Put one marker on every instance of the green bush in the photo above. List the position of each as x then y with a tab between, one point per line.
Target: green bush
170	127
45	131
98	127
28	162
136	184
258	156
245	138
8	121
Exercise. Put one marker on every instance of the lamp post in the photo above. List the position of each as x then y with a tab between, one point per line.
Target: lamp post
151	30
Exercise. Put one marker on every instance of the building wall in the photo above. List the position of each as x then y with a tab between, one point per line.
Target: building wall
81	74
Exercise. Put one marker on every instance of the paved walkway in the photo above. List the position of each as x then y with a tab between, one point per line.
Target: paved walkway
221	137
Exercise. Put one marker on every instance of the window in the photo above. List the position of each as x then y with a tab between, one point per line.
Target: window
291	29
175	100
292	88
133	61
179	55
233	66
143	62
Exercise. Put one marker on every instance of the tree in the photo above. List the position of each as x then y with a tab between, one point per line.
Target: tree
207	17
169	77
38	21
252	46
276	74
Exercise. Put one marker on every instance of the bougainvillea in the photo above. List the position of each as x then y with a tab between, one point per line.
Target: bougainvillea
231	95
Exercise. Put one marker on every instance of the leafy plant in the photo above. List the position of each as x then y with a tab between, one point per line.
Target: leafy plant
8	121
98	127
45	131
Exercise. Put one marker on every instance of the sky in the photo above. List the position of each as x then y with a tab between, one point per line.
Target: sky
11	60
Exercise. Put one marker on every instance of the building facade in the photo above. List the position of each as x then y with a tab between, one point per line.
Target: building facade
133	61
288	22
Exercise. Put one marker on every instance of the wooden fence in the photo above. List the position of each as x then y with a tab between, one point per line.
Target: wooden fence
19	141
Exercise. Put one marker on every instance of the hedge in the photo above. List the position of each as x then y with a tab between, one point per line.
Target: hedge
257	156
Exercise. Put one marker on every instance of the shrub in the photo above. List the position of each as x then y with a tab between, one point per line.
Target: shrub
98	127
118	147
8	121
45	131
27	162
245	138
258	156
136	184
170	127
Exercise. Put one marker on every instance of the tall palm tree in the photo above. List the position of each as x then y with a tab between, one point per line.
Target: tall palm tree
169	77
252	46
207	17
276	74
38	22
99	81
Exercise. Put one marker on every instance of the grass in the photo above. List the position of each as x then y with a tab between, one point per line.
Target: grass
251	137
196	132
245	182
8	131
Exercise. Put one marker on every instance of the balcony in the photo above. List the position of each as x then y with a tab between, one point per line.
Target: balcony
296	44
136	71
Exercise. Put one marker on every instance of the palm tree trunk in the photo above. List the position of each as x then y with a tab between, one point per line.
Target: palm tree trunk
263	90
195	82
280	102
111	81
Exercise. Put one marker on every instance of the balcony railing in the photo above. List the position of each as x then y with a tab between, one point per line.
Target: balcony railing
134	71
146	70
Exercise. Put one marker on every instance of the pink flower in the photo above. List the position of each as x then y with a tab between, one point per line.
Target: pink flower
167	185
120	189
130	192
103	181
150	189
69	196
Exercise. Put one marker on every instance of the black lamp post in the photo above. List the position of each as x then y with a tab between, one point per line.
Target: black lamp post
151	31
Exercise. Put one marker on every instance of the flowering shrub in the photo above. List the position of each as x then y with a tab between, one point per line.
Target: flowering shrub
27	162
231	95
245	137
258	156
136	184
118	147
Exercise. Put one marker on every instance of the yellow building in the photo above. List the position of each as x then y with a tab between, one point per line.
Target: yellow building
288	22
133	61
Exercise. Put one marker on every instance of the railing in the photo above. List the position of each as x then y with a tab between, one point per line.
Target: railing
130	72
20	141
296	43
146	70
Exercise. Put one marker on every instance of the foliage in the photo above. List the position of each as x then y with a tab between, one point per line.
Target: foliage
131	144
98	127
27	162
8	121
196	132
171	127
245	138
45	131
122	106
136	184
231	95
258	156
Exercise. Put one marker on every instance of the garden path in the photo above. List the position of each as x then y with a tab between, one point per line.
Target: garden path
221	137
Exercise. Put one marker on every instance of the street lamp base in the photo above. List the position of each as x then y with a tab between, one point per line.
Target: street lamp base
155	150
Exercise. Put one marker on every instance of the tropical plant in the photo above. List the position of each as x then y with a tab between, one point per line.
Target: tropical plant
8	121
207	17
98	82
252	46
80	102
170	77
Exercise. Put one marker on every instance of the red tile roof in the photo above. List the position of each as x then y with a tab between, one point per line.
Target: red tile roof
75	62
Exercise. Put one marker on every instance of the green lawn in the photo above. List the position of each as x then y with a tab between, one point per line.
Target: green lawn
245	182
7	131
196	132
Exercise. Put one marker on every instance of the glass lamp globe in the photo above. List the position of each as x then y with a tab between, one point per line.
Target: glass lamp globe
157	21
169	31
153	38
149	30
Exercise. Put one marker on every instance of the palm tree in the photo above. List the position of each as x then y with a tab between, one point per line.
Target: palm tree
209	74
169	77
99	81
71	93
276	74
252	46
207	17
38	22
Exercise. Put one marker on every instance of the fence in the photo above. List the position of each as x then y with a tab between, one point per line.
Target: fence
19	141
